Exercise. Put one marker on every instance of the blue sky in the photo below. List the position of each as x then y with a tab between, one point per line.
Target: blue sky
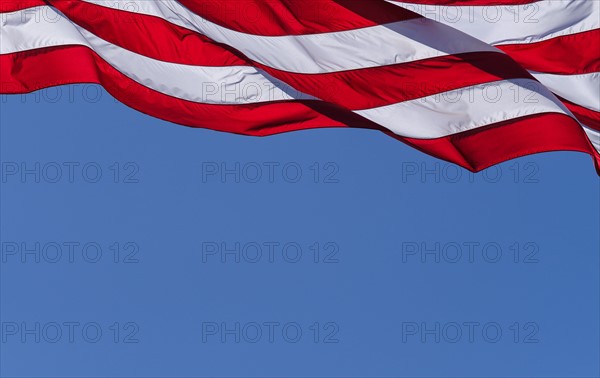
135	247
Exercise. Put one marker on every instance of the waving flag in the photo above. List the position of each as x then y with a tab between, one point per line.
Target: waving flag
557	41
468	90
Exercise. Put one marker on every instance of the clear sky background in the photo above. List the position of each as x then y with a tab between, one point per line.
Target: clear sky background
133	272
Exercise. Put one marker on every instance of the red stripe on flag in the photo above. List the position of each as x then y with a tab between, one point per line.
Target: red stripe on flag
566	55
293	17
482	148
7	6
586	116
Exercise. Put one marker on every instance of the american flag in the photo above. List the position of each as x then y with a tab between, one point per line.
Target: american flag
474	82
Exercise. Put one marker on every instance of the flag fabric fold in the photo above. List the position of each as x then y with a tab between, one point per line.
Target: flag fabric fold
474	84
